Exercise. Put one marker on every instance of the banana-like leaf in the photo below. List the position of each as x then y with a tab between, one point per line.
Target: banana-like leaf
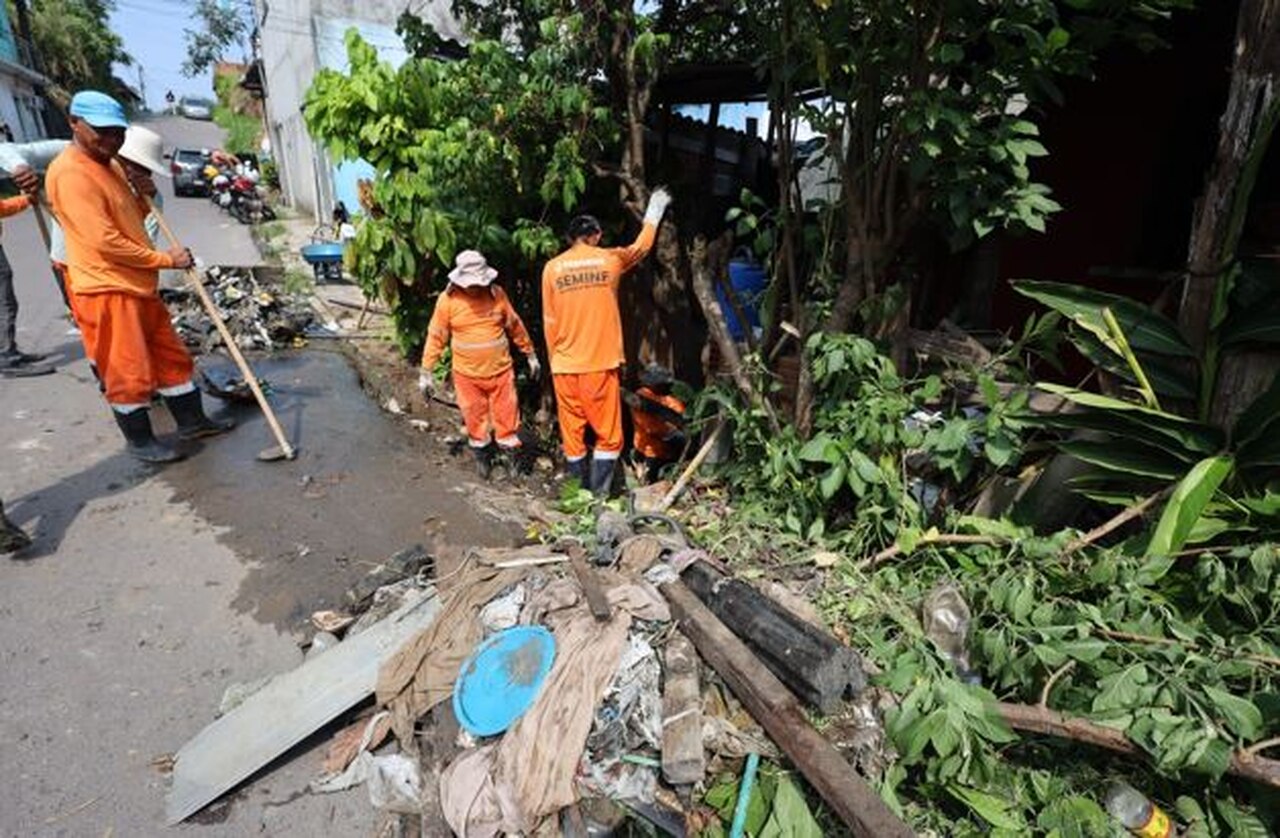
1261	417
1186	447
1187	504
1261	325
1167	379
1145	328
1126	457
1194	435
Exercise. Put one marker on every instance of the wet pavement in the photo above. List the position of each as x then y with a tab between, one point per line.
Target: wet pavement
149	591
362	487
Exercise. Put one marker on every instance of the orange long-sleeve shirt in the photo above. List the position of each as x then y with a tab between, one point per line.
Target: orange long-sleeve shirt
580	304
476	325
108	248
14	205
651	430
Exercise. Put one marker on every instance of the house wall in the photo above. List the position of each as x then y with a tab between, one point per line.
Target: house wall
298	38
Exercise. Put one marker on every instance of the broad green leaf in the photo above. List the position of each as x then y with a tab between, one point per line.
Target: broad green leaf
1087	399
790	817
1172	437
1145	328
1241	715
1169	376
1121	690
1256	324
832	481
1261	417
994	810
1126	457
1240	823
1075	817
1187	504
821	449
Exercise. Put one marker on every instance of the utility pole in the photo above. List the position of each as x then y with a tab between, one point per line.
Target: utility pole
142	86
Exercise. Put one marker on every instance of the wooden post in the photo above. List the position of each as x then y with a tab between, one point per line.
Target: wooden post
683	761
780	714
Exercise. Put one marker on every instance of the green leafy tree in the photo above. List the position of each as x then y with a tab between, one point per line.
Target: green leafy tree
75	43
486	152
223	27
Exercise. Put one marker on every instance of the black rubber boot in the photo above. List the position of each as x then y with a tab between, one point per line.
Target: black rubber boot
12	539
577	470
602	477
188	412
521	457
484	461
136	427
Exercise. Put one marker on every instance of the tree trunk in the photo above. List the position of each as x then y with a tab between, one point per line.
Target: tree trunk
705	261
1253	107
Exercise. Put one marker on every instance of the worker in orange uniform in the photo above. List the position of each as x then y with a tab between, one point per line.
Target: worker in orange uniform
474	318
584	340
658	419
113	274
14	364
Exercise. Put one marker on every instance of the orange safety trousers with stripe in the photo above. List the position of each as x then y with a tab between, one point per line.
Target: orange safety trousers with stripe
589	399
489	402
131	341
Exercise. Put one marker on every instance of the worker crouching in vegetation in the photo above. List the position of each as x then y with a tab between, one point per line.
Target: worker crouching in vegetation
658	419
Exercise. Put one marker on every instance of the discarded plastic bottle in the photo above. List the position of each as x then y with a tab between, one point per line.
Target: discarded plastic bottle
946	622
1138	814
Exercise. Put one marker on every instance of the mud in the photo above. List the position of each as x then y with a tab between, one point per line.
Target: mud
364	485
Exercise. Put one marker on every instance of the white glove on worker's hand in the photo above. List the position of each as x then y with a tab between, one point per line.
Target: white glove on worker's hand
535	368
426	384
658	202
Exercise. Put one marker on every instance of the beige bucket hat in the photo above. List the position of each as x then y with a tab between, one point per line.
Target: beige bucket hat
471	270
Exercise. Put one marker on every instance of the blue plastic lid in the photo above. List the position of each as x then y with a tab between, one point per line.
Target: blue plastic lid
501	679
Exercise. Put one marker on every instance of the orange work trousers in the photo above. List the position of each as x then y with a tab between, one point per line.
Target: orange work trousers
131	341
589	398
489	402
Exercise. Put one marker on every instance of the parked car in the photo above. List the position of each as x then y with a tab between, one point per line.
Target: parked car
187	167
193	107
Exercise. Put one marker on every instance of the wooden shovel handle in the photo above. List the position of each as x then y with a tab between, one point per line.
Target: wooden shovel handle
193	276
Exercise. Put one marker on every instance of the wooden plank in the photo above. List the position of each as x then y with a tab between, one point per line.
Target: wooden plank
810	662
683	760
596	599
288	709
780	714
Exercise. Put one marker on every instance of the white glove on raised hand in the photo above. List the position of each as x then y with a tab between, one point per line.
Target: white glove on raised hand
658	202
426	384
535	368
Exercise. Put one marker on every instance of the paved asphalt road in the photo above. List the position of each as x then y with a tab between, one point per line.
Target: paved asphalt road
118	632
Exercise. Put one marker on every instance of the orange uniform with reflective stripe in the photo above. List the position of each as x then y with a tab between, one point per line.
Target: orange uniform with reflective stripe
476	325
580	304
108	248
652	431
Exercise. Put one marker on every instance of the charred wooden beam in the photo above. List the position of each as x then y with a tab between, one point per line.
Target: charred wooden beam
814	665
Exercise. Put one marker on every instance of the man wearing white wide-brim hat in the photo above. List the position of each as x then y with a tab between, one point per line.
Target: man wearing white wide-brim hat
474	318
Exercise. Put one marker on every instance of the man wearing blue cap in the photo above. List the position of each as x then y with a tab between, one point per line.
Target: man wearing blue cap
113	274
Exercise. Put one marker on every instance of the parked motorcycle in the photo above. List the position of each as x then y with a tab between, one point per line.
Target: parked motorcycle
247	203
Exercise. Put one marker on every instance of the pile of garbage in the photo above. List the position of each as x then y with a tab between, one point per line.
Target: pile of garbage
260	314
570	686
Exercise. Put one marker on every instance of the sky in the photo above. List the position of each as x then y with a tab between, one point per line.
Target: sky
152	33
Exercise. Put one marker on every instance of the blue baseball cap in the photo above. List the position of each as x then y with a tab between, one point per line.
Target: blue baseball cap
98	109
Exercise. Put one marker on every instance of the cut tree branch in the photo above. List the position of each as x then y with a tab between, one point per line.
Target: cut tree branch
1025	717
896	550
1102	530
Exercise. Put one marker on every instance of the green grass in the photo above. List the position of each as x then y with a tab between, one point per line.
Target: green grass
242	130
